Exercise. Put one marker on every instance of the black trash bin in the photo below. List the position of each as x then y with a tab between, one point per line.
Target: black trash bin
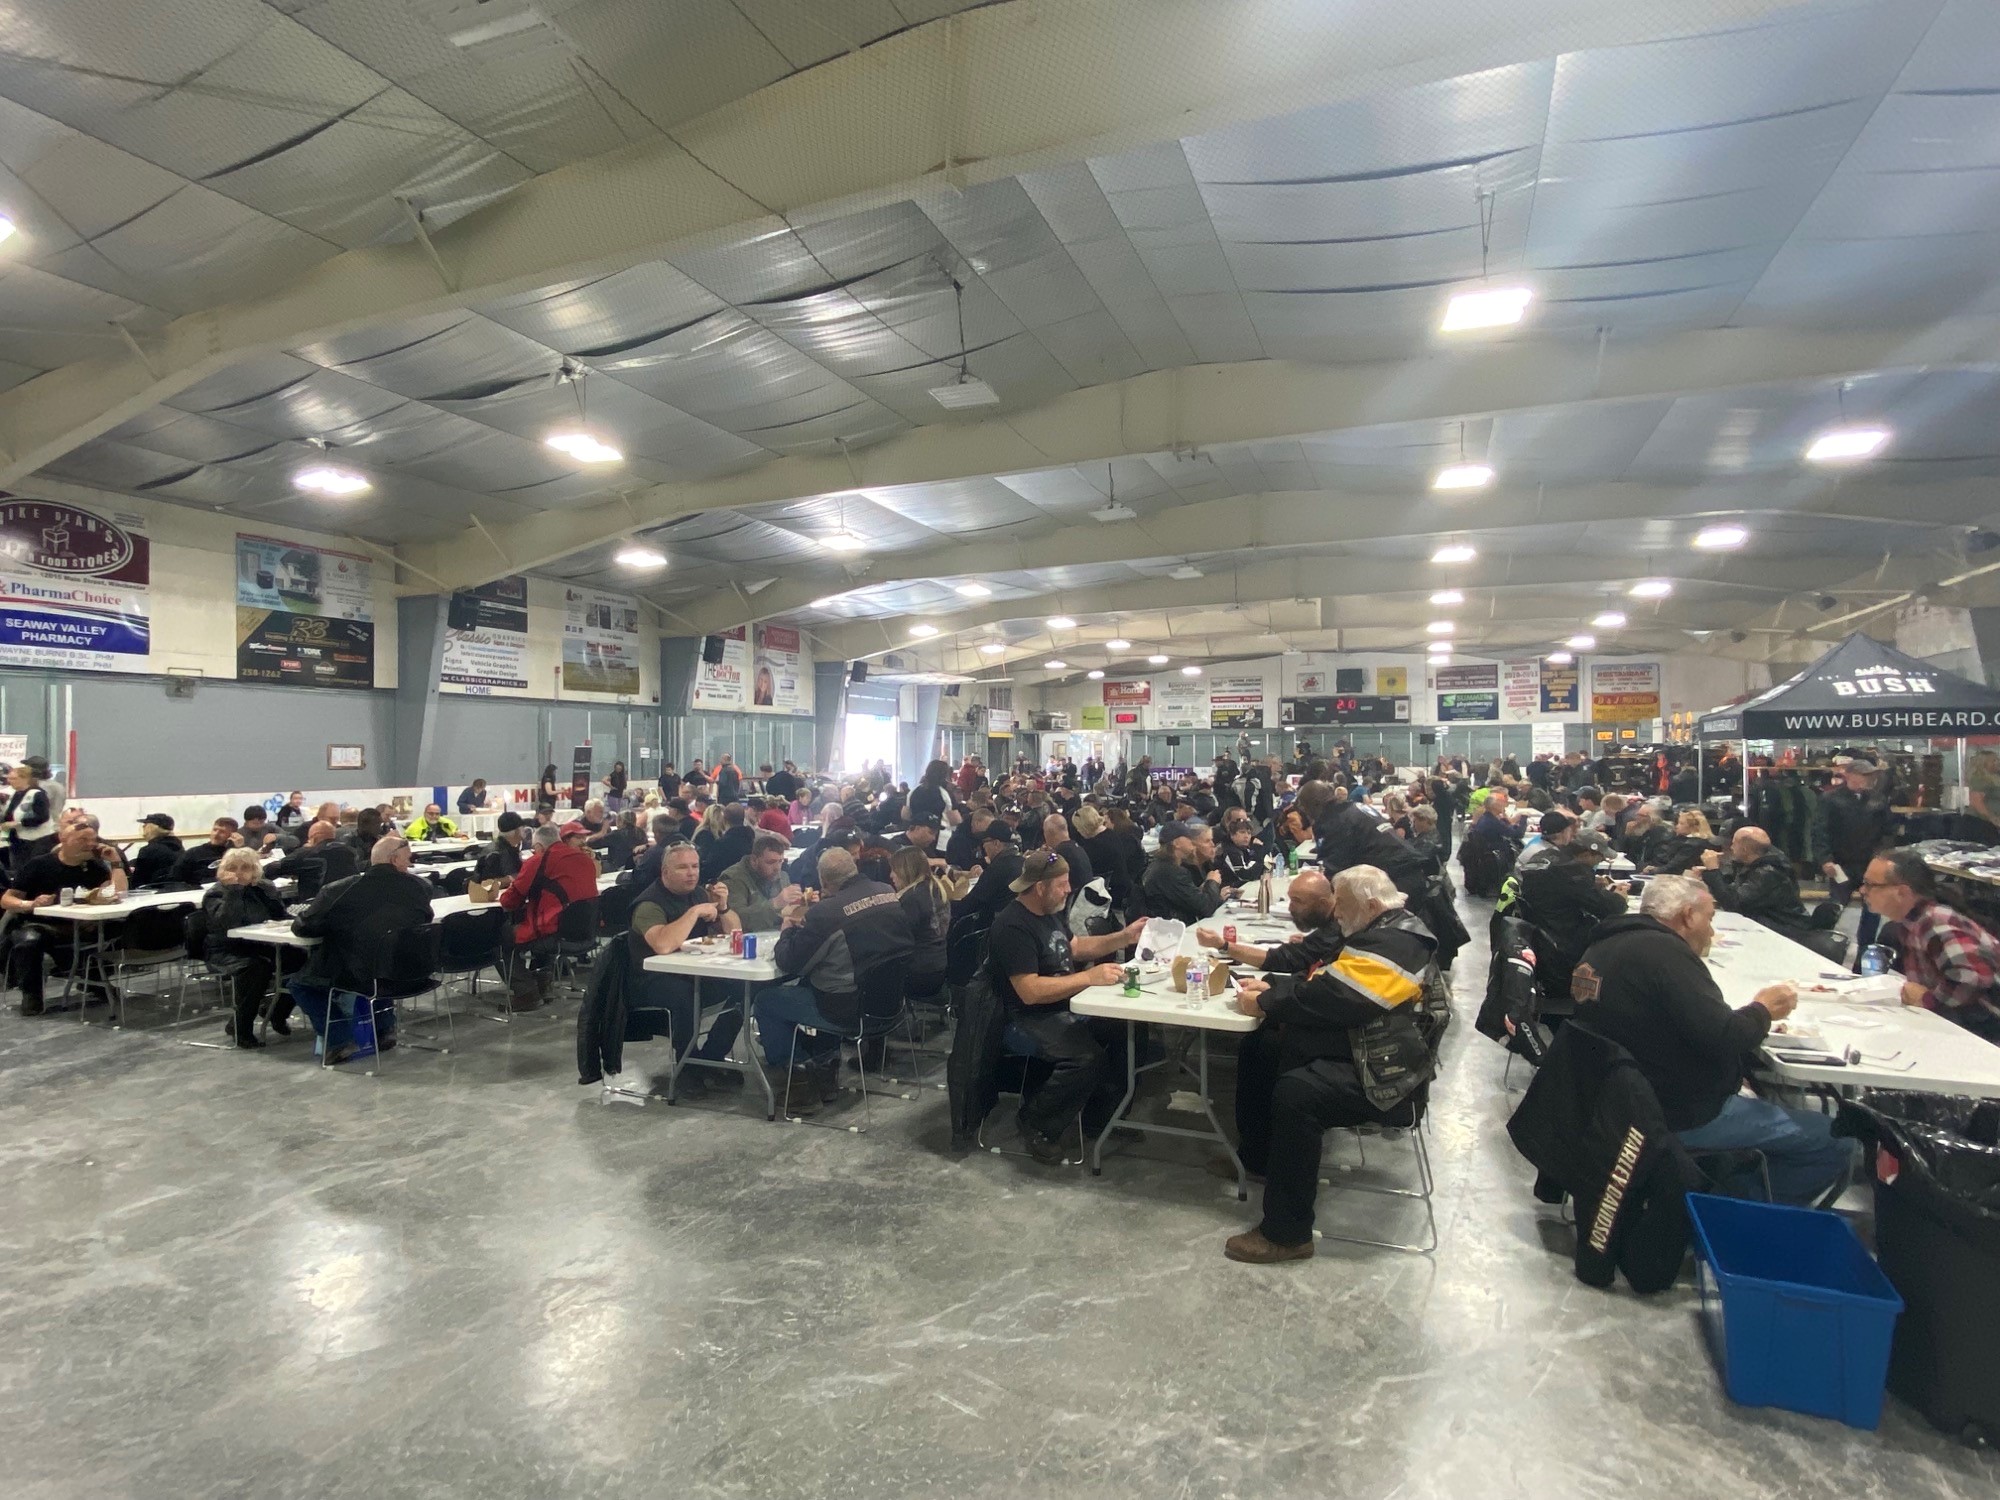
1937	1236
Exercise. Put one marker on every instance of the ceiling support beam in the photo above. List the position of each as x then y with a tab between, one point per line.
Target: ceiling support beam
1258	401
988	94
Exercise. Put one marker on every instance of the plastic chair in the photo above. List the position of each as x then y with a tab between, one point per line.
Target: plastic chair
576	935
472	941
881	1009
153	938
408	958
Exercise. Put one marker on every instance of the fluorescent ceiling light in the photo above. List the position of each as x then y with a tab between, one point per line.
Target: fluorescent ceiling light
1118	645
923	632
1463	477
1060	622
1157	661
1440	627
1651	588
1456	552
1489	307
1114	512
1055	666
1447	596
993	648
1611	619
327	480
7	227
1561	658
1581	643
842	541
1846	444
1095	674
1186	573
582	447
1720	538
1190	670
973	590
966	391
641	557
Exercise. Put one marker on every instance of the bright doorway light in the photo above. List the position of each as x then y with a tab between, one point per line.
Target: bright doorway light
1560	658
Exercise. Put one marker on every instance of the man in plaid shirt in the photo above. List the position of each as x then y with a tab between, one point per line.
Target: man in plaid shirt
1950	963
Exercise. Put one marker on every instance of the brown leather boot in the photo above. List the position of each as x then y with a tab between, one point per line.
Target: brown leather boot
1253	1249
800	1097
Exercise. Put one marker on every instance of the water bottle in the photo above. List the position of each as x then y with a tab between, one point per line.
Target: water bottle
1197	978
1874	960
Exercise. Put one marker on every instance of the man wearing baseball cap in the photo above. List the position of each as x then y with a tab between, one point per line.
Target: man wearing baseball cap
999	865
1852	824
1566	899
159	851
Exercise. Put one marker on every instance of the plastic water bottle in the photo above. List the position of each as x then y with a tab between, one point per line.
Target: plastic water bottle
1197	979
1874	960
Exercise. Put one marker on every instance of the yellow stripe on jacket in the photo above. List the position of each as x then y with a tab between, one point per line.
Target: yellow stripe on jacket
1377	978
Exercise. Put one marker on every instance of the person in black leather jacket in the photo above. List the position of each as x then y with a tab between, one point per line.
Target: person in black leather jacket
1564	897
1645	840
1756	881
1174	886
153	864
241	897
323	859
355	919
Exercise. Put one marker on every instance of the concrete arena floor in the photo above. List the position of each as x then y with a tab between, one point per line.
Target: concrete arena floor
228	1275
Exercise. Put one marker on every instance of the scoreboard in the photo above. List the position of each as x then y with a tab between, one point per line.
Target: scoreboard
1346	708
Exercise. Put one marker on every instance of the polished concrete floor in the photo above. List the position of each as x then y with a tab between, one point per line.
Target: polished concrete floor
232	1275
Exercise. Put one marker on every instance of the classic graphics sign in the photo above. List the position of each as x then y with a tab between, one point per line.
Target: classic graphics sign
486	637
305	615
1624	693
601	642
73	587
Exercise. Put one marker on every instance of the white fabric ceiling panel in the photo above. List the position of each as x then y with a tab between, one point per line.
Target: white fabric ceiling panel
116	466
853	245
452	355
72	185
1091	348
729	536
811	33
1904	204
72	59
1020	369
288	397
195	438
639	426
963	509
675	61
497	463
1864	282
599	319
883	529
197	248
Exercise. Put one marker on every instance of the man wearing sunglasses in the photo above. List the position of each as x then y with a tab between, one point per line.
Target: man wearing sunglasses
1031	959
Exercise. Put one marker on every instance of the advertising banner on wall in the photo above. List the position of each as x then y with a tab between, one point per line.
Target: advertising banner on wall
1390	681
782	676
1094	716
1236	703
1455	708
1559	687
1311	681
73	588
1624	692
1183	705
486	637
1468	679
725	684
1546	739
1520	690
305	615
1128	694
600	642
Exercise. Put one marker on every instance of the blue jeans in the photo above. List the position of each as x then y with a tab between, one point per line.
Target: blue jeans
674	996
1806	1161
332	1012
784	1006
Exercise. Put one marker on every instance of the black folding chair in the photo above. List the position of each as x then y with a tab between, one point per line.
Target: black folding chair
470	942
152	939
405	967
882	1009
576	937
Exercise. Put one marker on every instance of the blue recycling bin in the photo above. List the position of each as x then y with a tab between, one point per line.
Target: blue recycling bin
1797	1311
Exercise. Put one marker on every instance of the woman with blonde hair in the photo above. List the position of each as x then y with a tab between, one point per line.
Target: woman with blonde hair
1692	838
926	899
242	897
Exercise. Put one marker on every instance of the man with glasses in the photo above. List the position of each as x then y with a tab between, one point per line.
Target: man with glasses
1950	963
668	914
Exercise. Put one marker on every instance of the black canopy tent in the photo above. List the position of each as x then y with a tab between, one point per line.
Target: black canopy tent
1860	688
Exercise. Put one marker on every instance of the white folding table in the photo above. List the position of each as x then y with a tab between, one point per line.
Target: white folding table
98	916
721	964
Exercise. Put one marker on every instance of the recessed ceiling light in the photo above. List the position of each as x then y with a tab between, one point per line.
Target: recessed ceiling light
842	541
1120	644
1581	643
1611	619
1095	675
326	480
922	632
582	447
1055	666
1447	596
1561	658
1846	444
1190	670
973	590
641	557
1463	477
1489	307
1455	552
993	648
1157	661
1060	622
6	227
1440	627
1651	588
1720	538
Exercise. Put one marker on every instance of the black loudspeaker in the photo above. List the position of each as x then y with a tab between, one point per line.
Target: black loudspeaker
858	672
1427	739
711	649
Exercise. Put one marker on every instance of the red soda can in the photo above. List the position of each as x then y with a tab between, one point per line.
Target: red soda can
1229	933
736	942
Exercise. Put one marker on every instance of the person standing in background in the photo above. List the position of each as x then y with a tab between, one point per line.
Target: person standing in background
1850	826
614	787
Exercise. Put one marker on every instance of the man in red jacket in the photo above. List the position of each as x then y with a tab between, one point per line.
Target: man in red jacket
559	872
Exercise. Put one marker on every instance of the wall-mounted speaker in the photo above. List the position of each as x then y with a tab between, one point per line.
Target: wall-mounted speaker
711	649
181	687
858	672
